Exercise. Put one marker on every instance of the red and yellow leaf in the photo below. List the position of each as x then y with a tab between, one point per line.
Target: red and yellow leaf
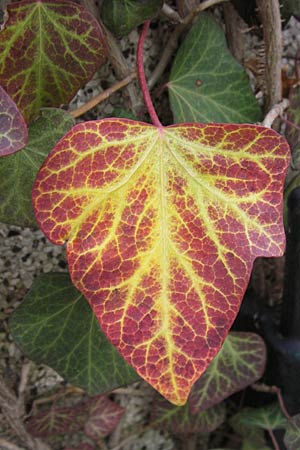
162	226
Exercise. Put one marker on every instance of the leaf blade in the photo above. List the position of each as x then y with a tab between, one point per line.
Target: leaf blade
206	82
45	326
13	130
239	363
122	16
180	420
141	245
18	171
43	60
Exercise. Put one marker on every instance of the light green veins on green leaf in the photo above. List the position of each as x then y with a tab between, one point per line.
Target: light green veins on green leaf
206	83
18	171
55	325
122	16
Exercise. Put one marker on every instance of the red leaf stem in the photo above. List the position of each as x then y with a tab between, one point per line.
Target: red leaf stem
142	78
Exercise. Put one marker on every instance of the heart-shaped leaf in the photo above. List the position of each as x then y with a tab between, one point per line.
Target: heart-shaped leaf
54	325
163	225
180	420
48	50
206	83
267	418
13	129
240	362
122	16
292	435
18	171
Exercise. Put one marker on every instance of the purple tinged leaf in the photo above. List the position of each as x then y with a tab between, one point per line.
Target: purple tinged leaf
57	421
180	420
13	129
240	362
104	417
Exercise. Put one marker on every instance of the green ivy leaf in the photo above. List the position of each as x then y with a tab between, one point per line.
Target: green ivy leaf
253	438
290	7
122	16
54	325
180	420
292	435
240	362
18	171
267	418
206	83
48	50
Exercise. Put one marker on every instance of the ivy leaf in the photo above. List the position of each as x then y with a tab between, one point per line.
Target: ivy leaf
162	227
98	417
292	435
48	50
18	171
240	362
180	420
207	84
104	416
122	16
13	129
253	438
54	325
57	420
267	418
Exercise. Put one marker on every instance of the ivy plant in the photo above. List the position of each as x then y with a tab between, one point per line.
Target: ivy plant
162	224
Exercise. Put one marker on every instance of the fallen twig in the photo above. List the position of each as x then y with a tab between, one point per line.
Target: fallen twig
173	40
170	13
117	60
269	11
276	111
22	387
103	96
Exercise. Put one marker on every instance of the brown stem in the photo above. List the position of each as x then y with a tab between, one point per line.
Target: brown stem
269	11
276	111
185	6
234	35
170	13
173	40
117	60
103	96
